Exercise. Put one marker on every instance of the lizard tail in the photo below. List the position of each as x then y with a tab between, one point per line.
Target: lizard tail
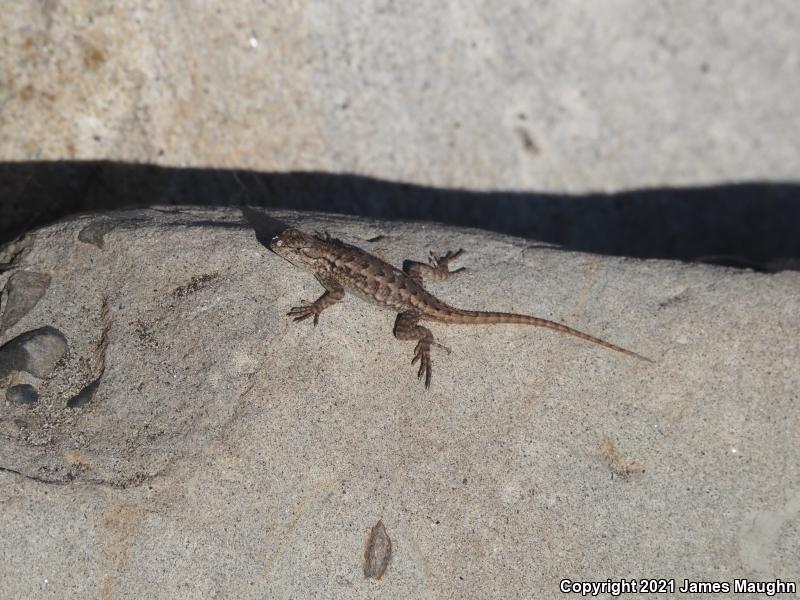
457	315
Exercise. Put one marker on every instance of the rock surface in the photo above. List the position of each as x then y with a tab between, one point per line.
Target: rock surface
226	451
552	96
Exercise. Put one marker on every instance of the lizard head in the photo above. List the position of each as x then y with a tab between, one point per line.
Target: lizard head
298	248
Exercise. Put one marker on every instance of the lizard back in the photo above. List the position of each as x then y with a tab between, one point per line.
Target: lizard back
375	280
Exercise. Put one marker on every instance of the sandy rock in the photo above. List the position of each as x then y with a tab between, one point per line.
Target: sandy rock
555	96
227	450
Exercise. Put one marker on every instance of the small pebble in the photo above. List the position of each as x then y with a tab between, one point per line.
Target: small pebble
24	290
94	233
85	396
378	552
23	394
35	352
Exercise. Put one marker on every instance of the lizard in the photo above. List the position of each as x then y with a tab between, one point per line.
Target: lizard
341	267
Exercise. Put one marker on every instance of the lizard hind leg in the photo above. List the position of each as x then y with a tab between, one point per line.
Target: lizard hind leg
406	327
437	269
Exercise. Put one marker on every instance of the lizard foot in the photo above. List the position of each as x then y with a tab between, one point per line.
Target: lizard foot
306	310
422	353
440	263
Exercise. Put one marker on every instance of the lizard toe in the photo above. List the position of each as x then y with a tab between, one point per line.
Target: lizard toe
300	313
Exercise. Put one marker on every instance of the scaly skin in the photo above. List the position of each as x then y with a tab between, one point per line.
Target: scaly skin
340	267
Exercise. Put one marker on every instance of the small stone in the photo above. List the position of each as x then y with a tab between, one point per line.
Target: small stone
85	396
35	352
378	552
95	231
23	394
24	289
21	423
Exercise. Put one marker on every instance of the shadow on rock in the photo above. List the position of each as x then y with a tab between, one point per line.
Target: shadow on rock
748	225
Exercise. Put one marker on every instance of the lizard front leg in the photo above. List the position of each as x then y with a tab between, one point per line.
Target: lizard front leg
437	268
334	292
406	327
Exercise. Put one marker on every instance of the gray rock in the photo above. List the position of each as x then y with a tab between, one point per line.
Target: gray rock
94	233
24	289
232	452
85	396
35	352
23	394
555	96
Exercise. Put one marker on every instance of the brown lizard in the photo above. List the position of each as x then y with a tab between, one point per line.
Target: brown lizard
339	266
